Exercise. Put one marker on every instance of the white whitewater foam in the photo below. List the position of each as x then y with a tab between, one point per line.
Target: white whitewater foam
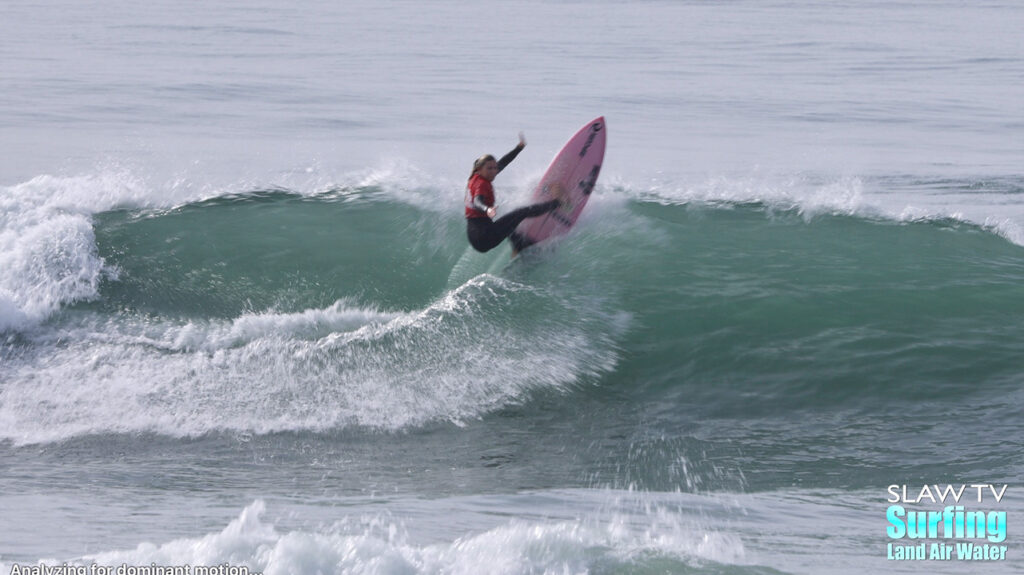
313	370
380	544
47	249
48	253
811	196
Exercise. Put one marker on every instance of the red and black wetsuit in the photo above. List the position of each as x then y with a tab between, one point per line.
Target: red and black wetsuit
483	232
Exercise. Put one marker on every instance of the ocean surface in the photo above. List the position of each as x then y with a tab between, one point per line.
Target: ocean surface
240	325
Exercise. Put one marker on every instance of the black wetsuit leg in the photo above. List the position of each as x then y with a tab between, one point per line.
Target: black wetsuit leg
485	234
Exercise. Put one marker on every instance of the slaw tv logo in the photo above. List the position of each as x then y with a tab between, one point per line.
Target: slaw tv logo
945	523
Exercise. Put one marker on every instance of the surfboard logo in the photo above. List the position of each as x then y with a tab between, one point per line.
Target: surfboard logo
586	186
594	129
561	219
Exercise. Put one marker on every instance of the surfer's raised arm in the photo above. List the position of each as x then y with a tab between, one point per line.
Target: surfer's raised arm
507	158
483	232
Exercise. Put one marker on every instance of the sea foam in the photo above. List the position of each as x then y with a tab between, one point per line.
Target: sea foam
634	538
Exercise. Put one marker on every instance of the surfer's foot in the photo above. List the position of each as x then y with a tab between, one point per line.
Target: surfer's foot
519	243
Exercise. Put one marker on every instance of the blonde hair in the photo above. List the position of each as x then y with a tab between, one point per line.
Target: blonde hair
479	163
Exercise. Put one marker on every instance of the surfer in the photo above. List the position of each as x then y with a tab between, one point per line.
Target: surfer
484	232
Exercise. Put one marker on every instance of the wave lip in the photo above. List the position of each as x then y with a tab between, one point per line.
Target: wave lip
48	250
993	205
47	263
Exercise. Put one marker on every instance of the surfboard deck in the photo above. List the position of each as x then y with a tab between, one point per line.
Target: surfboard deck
570	177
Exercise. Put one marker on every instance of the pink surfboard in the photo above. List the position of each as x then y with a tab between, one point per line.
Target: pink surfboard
570	177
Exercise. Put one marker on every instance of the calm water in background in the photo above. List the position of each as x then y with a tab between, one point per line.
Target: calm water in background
240	322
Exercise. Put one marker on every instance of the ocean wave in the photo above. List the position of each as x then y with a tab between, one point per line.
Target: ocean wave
48	246
640	541
50	256
316	370
995	207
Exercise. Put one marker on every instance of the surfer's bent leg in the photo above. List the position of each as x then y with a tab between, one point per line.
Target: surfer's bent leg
507	223
484	234
478	230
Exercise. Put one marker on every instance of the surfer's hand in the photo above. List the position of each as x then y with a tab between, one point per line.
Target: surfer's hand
522	140
492	211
